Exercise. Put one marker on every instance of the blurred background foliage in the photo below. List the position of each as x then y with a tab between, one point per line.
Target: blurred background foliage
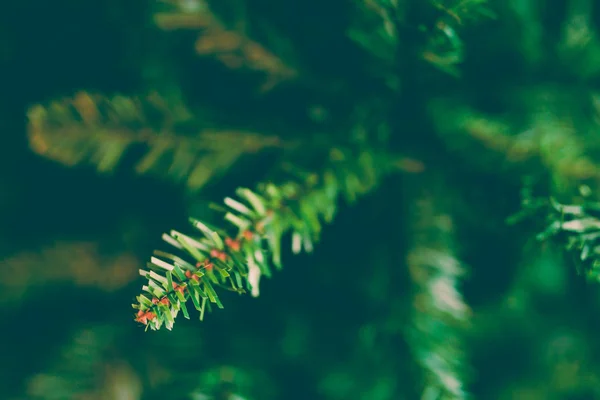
486	102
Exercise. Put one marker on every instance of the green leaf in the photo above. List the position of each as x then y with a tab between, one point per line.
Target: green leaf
145	273
238	278
147	289
261	260
241	223
179	272
167	314
144	300
201	292
173	258
171	241
160	279
257	202
159	292
180	296
273	191
202	308
184	310
210	234
310	216
212	277
160	264
152	291
169	281
160	319
172	296
307	242
183	240
212	295
296	242
239	207
224	273
195	296
274	238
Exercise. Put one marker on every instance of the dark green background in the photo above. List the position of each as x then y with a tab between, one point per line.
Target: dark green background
330	325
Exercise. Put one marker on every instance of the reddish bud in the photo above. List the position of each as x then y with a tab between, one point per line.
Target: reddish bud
165	301
150	315
232	244
144	316
178	288
221	255
190	275
248	235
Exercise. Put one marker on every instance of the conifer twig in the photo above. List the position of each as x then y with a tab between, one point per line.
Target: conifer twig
235	259
575	225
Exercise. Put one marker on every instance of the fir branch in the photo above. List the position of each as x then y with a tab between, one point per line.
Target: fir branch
236	258
440	313
549	142
377	28
576	226
98	130
444	48
232	47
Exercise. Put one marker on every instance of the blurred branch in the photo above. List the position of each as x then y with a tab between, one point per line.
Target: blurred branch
86	370
444	47
576	226
79	263
376	31
549	142
94	129
232	47
440	314
579	48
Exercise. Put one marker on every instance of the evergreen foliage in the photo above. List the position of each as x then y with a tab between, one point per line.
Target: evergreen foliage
91	128
422	98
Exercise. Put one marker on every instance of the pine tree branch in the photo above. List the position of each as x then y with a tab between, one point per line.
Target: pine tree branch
379	23
548	143
575	226
236	258
440	313
377	28
444	47
232	47
98	130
